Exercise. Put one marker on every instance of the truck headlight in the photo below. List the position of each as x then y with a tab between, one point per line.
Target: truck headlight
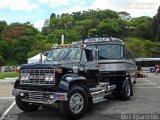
49	77
25	76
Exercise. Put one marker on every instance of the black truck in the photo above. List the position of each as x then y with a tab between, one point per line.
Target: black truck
69	77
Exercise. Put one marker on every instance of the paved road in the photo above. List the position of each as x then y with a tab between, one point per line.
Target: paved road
146	100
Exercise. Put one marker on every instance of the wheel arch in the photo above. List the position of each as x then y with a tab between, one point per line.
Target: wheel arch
71	79
128	78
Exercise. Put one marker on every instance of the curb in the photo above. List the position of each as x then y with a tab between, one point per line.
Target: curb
8	80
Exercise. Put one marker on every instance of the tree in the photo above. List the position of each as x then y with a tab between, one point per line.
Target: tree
158	33
4	49
70	36
55	23
136	46
46	28
22	47
39	47
124	15
155	26
82	27
52	16
1	60
66	21
142	26
92	32
77	16
109	27
3	26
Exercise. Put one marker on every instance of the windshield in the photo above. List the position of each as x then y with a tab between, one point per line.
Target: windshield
64	54
110	51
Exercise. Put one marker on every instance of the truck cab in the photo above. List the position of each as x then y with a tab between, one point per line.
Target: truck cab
69	77
116	64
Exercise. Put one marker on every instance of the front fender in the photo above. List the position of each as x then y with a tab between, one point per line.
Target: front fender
17	83
128	79
70	78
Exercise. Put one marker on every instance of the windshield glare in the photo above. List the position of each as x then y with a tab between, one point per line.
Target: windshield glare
64	54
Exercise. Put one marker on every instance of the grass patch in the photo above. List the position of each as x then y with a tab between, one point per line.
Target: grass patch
8	75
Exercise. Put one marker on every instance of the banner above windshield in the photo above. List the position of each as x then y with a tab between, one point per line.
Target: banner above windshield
101	39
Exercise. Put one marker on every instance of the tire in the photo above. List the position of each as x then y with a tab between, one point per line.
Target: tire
26	107
151	70
126	91
77	103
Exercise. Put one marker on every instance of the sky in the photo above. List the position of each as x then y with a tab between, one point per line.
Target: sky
37	11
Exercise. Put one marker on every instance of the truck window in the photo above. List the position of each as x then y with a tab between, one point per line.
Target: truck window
89	55
110	51
64	54
129	55
84	59
91	46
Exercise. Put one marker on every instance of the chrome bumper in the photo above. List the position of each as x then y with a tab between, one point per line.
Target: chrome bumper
40	97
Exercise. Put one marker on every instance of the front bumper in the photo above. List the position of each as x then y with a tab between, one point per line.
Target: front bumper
40	97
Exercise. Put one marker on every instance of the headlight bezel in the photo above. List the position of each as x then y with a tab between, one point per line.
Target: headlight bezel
49	77
24	76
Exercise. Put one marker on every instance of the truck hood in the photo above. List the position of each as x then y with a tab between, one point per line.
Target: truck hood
48	65
40	66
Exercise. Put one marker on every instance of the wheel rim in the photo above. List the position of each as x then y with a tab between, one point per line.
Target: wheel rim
128	89
76	103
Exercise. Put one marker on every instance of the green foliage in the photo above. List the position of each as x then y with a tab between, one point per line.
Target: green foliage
4	49
1	60
3	26
142	47
142	26
8	75
39	47
156	26
158	33
22	47
109	27
92	32
70	36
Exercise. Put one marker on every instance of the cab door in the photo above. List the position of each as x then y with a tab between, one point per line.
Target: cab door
89	63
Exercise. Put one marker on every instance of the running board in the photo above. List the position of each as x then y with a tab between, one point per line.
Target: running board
98	96
100	100
111	87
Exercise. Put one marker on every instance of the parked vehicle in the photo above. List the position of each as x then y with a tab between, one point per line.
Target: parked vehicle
148	64
69	77
5	69
116	64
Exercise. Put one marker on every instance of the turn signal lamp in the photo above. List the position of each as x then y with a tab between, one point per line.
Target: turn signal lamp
59	70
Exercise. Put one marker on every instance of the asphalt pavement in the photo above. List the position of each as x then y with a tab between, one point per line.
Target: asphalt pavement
144	105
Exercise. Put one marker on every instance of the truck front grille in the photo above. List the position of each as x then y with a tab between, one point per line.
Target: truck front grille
37	76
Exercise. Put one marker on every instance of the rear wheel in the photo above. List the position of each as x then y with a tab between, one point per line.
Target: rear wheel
26	107
77	103
152	70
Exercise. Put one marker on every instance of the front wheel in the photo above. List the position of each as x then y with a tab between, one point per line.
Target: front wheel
125	93
77	103
26	107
